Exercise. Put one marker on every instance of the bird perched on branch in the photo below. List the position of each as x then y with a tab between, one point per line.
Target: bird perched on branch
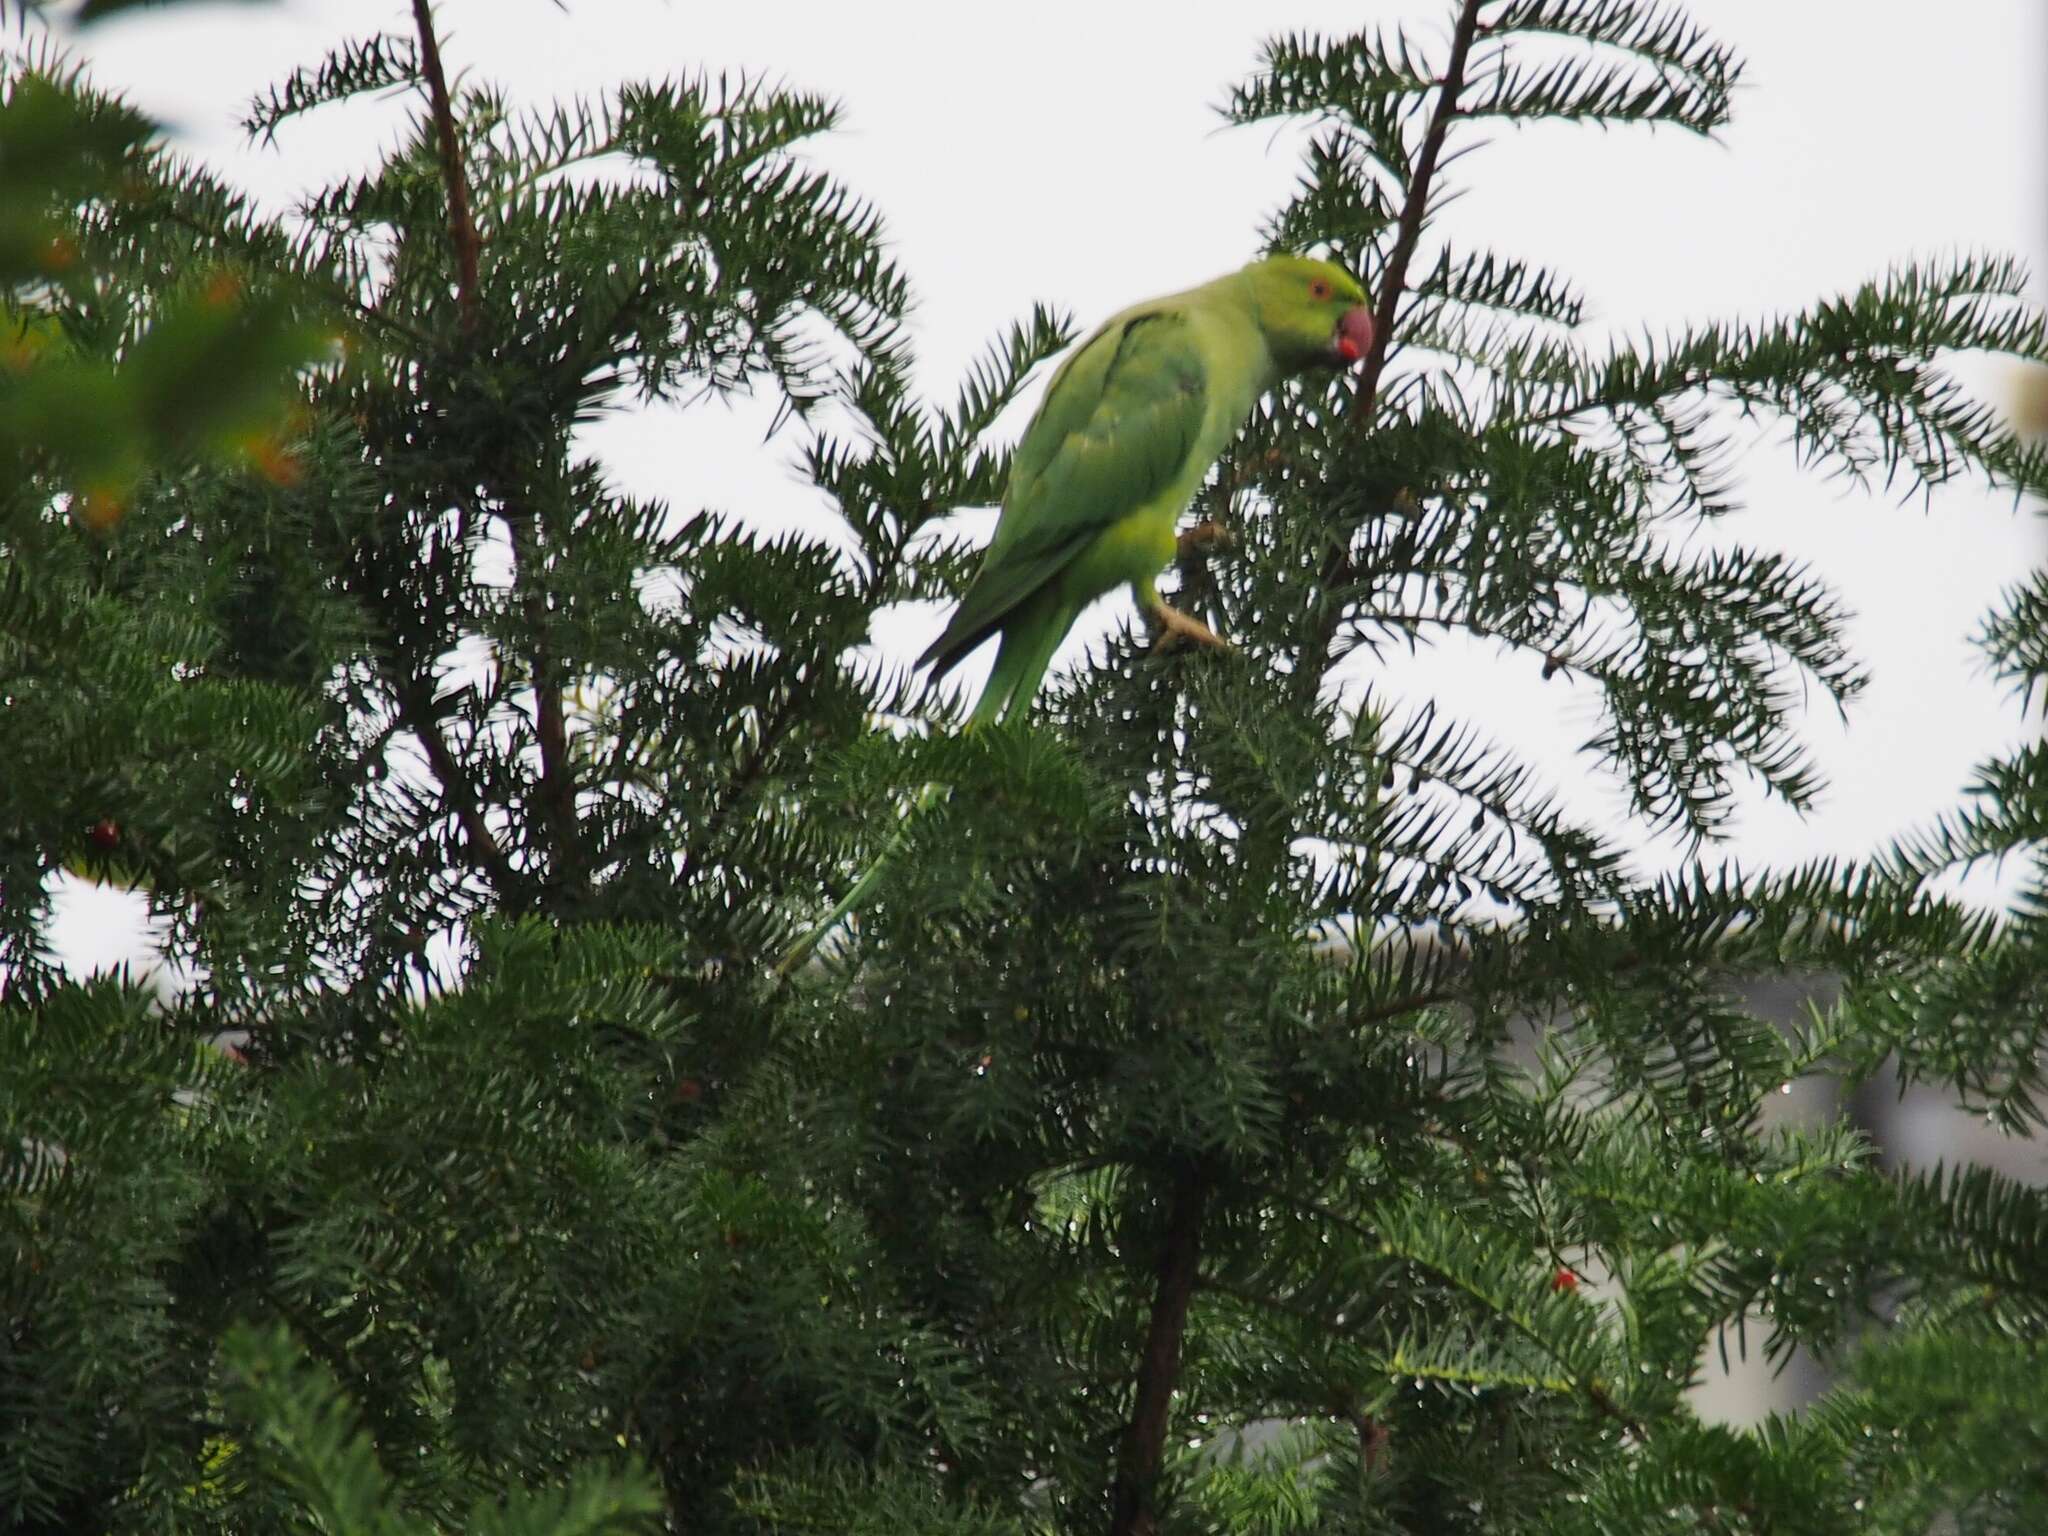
1128	430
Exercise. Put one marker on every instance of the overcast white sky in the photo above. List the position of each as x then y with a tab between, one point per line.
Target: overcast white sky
1070	153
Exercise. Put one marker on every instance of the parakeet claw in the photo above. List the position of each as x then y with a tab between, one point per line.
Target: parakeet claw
1176	629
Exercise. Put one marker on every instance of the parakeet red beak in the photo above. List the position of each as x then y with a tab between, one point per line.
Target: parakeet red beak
1354	336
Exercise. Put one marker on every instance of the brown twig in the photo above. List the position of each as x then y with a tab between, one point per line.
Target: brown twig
1337	572
1337	569
555	793
1399	1007
1144	1447
1600	1399
1373	1435
461	224
1201	540
1408	230
787	715
557	778
415	709
788	711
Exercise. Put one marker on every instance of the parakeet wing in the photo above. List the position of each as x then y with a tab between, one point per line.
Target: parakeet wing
1115	429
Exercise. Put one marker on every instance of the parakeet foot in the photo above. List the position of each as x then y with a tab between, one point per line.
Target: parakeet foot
1176	628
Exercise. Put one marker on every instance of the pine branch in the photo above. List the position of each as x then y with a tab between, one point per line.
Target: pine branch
367	64
1174	1085
266	248
555	790
416	709
1414	208
746	778
753	764
1134	1512
461	223
1336	564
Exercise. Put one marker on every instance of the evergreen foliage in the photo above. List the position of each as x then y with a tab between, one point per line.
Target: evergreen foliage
1167	1147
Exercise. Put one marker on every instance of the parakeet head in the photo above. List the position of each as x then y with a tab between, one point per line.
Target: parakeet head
1314	313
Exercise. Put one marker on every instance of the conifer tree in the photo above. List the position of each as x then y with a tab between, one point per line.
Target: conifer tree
1244	1104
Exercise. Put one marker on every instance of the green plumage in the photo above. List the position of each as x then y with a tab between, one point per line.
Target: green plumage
1129	428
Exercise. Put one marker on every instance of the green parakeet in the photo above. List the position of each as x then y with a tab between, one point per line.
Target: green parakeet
1126	433
1128	429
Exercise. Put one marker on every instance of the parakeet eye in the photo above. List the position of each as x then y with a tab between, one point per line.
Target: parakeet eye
1319	288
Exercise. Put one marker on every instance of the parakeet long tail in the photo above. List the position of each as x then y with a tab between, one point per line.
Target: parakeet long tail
1021	661
857	894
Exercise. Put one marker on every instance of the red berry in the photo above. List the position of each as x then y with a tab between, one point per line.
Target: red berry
1564	1280
104	834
